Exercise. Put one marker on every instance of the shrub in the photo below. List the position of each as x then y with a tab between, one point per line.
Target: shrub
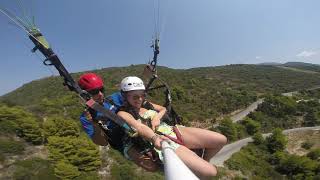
311	119
307	145
79	152
229	129
88	176
241	131
2	157
258	138
59	126
8	127
276	157
252	162
277	141
11	147
65	170
252	126
35	169
15	119
29	129
314	154
299	166
278	106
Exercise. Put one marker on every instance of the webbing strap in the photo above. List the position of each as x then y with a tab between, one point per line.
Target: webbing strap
110	115
178	140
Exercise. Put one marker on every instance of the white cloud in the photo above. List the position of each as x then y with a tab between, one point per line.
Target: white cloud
307	54
258	57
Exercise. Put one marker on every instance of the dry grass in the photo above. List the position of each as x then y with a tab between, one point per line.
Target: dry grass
296	139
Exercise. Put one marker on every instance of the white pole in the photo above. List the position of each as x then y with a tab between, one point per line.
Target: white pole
174	168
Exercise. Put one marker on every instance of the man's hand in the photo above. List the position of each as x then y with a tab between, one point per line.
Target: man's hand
87	115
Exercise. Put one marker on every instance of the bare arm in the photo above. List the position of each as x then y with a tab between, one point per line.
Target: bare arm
161	111
142	129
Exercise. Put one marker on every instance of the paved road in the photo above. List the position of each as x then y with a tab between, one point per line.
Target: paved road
230	149
227	151
241	115
252	107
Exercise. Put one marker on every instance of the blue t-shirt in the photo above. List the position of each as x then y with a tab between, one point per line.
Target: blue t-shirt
87	125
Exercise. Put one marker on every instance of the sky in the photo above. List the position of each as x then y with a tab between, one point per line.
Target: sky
95	34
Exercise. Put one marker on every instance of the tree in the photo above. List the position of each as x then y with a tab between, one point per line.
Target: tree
79	152
258	138
17	120
241	131
11	147
30	130
307	144
252	126
66	171
314	154
59	126
178	93
10	117
12	113
35	168
278	106
88	158
311	119
228	128
277	141
297	166
276	157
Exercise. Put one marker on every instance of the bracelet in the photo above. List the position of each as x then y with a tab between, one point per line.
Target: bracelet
154	138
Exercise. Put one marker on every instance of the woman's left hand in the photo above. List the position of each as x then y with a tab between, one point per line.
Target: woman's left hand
155	123
158	140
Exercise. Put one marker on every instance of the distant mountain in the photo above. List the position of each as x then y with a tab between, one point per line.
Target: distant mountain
307	67
271	64
303	66
300	66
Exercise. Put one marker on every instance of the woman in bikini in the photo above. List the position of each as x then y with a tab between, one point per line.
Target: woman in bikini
149	125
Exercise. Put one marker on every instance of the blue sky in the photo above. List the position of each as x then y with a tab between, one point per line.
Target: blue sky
102	33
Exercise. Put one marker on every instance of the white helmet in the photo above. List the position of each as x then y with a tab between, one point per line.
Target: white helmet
132	83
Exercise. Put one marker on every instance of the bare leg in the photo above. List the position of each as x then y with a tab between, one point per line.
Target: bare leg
195	138
199	166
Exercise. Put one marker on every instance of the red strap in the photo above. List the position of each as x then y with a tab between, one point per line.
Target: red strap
178	134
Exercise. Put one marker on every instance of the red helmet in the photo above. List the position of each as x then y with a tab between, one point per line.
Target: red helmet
90	81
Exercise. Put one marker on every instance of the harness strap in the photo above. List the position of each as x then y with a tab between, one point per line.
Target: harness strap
110	100
178	134
178	140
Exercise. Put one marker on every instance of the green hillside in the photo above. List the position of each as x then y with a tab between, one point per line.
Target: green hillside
198	93
44	112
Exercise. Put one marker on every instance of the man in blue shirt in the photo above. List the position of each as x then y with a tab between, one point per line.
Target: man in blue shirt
104	131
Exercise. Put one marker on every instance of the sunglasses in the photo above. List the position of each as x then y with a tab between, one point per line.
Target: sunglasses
96	91
138	96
